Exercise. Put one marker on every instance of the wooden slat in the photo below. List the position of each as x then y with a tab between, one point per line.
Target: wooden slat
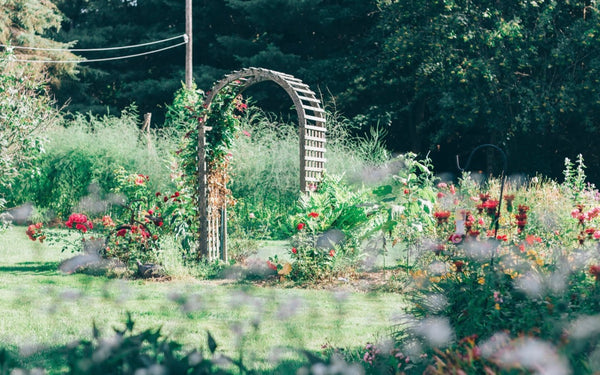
297	90
314	158
313	169
314	109
305	98
289	79
314	148
298	84
314	118
316	139
315	128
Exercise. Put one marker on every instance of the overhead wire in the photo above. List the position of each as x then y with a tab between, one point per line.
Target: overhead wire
185	37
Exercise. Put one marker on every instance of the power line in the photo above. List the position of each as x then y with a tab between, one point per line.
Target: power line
102	59
184	36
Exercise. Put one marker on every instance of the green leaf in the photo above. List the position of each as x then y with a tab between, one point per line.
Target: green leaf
212	344
383	190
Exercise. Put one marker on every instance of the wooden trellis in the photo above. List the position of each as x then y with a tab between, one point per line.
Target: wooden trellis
311	121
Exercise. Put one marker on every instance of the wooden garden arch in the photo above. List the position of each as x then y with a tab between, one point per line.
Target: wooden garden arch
311	121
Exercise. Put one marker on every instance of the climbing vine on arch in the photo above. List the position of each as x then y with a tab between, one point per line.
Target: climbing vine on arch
223	120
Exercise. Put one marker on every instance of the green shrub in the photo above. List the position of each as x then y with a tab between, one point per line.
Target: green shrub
26	112
80	159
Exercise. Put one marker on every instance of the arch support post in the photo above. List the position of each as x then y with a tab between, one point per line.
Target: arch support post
202	192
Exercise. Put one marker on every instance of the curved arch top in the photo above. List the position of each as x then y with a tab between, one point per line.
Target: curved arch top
311	117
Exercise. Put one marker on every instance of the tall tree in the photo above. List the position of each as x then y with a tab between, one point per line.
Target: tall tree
24	23
320	41
148	80
454	74
310	38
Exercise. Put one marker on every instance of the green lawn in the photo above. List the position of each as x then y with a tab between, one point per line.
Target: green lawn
43	308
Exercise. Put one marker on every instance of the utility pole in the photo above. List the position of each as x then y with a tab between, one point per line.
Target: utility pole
188	46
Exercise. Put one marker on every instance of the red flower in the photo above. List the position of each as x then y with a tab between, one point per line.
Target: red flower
121	232
158	193
530	239
331	253
441	216
271	265
437	250
34	232
294	250
406	191
301	226
595	271
474	233
313	214
490	206
80	221
459	265
502	237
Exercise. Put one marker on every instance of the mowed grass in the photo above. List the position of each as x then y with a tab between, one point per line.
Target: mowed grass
42	308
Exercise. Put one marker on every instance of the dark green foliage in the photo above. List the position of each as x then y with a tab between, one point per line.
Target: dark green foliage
452	75
309	39
126	352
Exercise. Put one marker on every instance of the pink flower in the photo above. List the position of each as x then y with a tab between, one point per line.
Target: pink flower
246	133
331	253
596	235
452	190
442	185
251	215
294	250
456	238
440	195
141	179
81	227
481	222
107	221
